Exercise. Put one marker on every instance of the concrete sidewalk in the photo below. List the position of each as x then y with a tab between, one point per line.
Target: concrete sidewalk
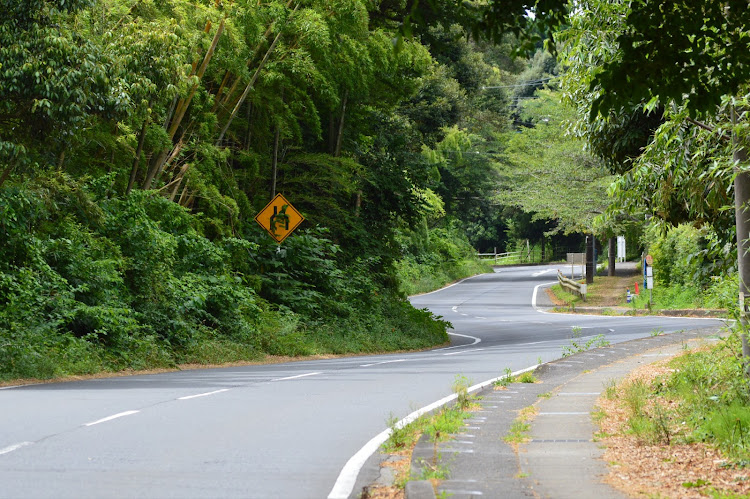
562	460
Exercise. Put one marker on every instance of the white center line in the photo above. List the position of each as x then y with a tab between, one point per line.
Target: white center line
188	397
14	447
384	362
465	351
295	377
110	418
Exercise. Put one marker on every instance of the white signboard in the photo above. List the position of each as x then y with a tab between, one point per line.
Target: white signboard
621	255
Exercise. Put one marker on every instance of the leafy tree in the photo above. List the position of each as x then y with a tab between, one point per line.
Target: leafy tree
547	173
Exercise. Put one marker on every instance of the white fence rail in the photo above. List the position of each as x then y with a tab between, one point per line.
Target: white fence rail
507	257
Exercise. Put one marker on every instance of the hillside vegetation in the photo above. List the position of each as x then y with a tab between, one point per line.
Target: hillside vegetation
139	139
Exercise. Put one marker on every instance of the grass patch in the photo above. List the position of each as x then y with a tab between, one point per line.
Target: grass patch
519	430
415	278
439	426
527	377
579	344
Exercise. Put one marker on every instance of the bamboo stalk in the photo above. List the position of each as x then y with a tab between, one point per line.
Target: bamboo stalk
248	87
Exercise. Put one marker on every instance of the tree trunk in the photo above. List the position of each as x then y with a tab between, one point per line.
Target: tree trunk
275	161
138	152
249	134
182	105
178	180
590	263
248	88
340	133
235	84
612	256
742	222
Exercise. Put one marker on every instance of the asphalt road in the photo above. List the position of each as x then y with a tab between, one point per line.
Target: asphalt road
292	430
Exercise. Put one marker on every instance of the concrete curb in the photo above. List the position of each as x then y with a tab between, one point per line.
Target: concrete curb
707	313
419	489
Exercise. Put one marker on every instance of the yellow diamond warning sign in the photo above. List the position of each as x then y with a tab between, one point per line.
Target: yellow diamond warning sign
279	218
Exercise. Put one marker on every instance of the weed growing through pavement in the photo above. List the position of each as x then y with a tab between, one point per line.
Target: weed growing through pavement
656	332
461	389
578	346
527	377
505	380
439	426
519	430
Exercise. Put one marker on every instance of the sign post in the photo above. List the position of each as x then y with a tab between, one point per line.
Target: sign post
279	218
648	276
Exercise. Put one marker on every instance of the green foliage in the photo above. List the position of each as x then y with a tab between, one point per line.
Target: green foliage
715	395
434	257
140	139
527	377
461	389
547	173
577	345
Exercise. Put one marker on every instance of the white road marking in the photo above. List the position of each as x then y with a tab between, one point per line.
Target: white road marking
188	397
476	340
465	351
384	362
344	485
542	272
536	290
110	418
14	447
449	286
455	309
480	317
296	377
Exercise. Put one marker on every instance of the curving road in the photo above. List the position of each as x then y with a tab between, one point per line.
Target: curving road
276	431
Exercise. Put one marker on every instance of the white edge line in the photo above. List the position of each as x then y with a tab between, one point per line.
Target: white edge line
188	397
14	447
465	351
448	286
344	485
296	377
476	340
533	297
383	362
110	418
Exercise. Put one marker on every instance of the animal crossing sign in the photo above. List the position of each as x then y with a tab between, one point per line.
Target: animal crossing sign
279	218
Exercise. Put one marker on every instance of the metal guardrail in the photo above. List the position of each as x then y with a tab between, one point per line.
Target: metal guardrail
573	286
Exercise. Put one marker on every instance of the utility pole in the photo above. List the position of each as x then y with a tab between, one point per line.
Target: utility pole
590	263
742	222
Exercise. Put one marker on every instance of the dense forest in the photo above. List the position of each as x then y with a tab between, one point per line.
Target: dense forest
139	139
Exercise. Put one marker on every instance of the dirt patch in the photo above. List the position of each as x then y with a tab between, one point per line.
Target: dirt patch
676	470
